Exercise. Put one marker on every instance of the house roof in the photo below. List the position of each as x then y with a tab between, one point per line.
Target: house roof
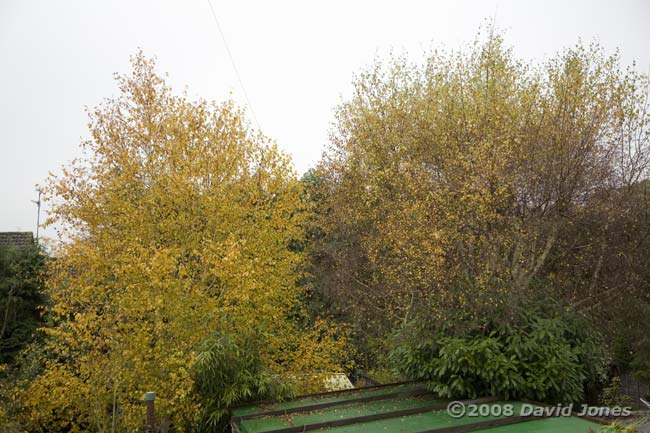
395	408
16	239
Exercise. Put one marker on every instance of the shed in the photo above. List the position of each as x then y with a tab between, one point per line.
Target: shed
394	408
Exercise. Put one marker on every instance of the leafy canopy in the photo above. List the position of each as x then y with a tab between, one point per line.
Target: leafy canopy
466	183
178	222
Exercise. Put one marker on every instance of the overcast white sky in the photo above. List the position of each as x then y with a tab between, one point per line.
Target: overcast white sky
296	60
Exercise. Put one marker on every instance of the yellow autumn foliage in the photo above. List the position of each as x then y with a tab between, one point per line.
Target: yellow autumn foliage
178	221
449	182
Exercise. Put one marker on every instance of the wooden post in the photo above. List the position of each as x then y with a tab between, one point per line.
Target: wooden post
151	413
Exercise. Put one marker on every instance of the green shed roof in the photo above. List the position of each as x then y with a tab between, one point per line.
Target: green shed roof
396	408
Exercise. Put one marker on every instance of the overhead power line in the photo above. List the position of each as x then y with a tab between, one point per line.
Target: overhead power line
234	66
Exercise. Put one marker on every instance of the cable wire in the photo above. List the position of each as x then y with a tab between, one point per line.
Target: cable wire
234	66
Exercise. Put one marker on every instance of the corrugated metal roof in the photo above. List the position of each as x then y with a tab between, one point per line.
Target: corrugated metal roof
396	408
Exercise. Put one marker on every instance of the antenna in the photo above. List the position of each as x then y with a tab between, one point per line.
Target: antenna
38	212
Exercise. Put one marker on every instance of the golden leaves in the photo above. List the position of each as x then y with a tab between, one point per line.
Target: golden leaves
180	220
449	179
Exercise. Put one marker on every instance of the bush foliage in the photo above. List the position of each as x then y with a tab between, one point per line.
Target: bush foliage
541	357
228	371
